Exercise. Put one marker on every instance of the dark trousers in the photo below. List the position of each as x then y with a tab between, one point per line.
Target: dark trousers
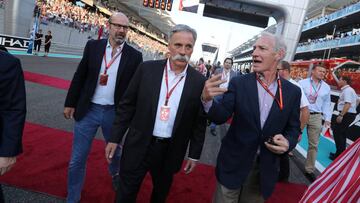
37	45
130	181
284	172
1	195
340	131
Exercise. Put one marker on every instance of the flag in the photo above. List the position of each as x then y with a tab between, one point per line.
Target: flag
189	5
34	30
340	181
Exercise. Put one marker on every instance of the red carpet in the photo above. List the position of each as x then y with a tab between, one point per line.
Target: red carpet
47	80
43	167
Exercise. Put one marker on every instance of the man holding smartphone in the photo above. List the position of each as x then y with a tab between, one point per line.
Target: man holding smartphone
265	107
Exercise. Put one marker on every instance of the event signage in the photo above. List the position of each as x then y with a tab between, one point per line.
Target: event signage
14	42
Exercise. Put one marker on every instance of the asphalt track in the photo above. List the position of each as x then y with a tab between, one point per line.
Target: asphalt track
45	107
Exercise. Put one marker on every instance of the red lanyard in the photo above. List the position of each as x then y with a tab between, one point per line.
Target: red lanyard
280	102
107	66
169	93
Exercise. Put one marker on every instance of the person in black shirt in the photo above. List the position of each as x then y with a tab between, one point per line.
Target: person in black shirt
37	41
47	44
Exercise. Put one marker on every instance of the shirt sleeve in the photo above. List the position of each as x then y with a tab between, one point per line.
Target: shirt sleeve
347	96
326	108
304	101
207	105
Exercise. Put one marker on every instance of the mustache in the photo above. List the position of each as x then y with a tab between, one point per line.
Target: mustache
181	58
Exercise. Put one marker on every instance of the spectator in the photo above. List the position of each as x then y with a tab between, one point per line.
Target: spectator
37	41
47	44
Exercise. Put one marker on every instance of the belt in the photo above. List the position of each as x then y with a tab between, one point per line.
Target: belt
107	106
156	139
313	113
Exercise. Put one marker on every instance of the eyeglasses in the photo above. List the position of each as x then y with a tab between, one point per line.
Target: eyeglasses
118	26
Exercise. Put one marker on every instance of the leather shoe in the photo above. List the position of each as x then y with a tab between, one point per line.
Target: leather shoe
213	132
115	182
310	176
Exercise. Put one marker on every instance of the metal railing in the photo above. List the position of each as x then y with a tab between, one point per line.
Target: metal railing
330	44
331	17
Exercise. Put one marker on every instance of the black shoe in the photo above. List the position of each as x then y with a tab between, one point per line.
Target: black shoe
310	176
213	132
115	182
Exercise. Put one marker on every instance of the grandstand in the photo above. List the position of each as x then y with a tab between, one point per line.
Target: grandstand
330	36
79	21
332	30
47	80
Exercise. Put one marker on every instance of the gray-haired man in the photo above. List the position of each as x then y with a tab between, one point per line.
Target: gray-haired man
162	112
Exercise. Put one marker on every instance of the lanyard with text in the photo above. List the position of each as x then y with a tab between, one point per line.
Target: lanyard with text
104	76
312	97
280	102
165	109
169	93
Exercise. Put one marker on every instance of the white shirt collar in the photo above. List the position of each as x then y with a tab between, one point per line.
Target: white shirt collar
119	48
345	87
183	73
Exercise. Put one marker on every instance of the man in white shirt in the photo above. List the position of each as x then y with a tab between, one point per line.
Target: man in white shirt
162	116
347	113
284	70
226	74
317	92
98	84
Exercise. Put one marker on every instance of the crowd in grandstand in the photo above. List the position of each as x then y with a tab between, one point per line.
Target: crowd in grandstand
85	20
326	17
65	12
338	35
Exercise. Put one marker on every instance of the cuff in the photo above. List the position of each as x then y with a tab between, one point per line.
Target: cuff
207	105
193	159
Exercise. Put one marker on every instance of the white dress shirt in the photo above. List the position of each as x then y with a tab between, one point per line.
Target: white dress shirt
323	101
225	75
304	101
104	94
347	95
164	128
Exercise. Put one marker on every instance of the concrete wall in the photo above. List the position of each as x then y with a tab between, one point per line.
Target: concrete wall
66	35
17	17
290	16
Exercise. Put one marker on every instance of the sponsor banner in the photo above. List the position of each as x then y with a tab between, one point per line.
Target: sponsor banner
14	42
189	5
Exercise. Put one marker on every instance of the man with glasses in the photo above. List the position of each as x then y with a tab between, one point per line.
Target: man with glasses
284	71
98	84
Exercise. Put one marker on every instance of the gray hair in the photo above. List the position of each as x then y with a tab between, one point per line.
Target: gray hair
182	28
279	41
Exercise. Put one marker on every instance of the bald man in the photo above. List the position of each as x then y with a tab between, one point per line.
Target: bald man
98	84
